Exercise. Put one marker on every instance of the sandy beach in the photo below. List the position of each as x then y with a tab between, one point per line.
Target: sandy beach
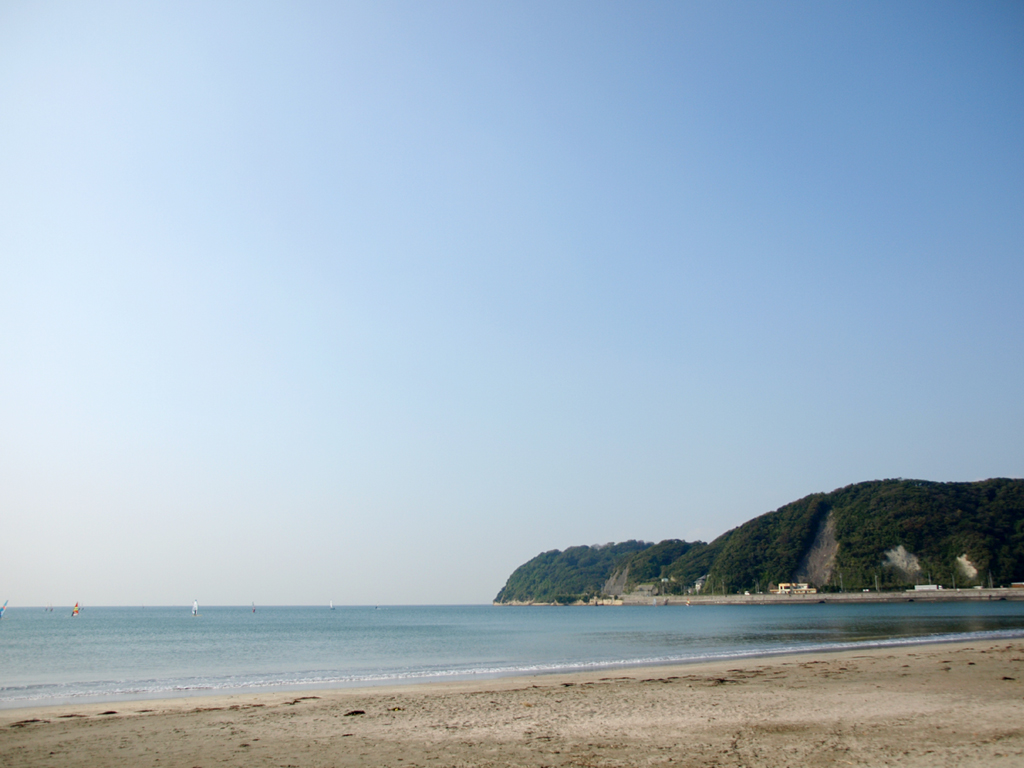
932	705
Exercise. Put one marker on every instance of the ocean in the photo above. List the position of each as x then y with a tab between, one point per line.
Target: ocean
133	653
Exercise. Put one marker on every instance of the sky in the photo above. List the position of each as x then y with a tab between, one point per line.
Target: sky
374	302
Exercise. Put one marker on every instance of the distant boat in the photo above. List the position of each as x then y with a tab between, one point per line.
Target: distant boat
254	607
332	605
195	607
74	611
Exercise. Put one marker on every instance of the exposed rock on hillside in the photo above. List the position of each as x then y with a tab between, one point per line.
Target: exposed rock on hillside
903	561
819	561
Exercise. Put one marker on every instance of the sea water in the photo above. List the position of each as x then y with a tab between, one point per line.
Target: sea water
125	653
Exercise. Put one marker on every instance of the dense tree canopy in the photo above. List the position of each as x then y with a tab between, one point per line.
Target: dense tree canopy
563	577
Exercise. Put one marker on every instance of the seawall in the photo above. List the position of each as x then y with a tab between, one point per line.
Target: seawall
937	596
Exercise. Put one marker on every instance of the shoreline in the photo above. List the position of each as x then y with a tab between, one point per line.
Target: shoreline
953	703
104	701
480	684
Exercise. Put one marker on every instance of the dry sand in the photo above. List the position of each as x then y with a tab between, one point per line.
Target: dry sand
934	705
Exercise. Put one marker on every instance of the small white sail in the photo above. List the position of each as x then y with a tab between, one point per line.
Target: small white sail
195	607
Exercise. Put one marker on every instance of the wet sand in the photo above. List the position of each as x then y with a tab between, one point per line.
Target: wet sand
931	705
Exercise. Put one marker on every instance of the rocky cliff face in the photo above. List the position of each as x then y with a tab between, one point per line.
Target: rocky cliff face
616	584
819	561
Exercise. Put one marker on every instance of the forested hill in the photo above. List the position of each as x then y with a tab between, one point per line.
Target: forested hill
893	533
555	576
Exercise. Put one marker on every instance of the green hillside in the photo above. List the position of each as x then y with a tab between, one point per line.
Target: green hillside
555	576
890	533
938	522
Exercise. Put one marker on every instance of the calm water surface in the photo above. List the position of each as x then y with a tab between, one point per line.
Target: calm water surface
124	653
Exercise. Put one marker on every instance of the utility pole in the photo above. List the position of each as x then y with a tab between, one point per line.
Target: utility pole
876	583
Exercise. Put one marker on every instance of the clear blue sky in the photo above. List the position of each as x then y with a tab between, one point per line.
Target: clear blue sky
375	302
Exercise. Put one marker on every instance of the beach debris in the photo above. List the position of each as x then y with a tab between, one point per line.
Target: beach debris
355	712
396	709
301	698
109	712
23	723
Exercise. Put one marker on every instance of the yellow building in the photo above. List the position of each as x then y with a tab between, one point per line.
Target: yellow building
794	588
